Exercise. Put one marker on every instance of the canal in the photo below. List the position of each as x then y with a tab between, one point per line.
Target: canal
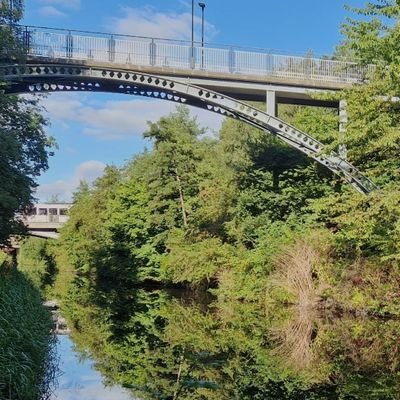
178	346
78	379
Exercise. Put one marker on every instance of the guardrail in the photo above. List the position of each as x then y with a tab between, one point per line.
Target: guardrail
174	54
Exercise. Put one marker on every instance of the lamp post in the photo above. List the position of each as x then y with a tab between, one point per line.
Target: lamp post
11	14
202	6
192	49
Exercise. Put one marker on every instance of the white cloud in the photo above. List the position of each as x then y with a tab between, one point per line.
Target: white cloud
67	4
116	119
93	391
50	11
63	106
57	8
146	21
70	150
87	171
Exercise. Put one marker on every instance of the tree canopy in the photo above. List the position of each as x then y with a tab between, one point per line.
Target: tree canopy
24	145
272	235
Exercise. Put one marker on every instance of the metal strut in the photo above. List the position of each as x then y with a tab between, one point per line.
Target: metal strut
67	77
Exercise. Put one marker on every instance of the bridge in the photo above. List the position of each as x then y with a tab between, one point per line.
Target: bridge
215	78
45	220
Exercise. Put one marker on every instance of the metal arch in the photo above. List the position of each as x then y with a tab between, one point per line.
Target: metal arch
67	77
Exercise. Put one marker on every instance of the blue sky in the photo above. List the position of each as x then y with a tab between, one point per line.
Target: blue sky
79	379
93	130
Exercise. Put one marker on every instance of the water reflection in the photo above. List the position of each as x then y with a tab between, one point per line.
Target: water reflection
79	379
175	347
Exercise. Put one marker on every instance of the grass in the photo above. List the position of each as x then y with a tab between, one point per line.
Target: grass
27	360
296	285
295	267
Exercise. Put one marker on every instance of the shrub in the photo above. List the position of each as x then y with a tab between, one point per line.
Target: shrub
26	344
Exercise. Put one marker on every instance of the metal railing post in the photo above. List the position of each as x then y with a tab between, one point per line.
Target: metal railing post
26	40
342	128
192	57
69	45
111	49
153	53
231	60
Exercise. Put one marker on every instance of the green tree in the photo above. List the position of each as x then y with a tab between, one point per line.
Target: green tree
24	146
172	180
368	227
373	131
36	261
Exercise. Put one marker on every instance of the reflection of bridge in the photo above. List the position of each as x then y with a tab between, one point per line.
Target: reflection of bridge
45	220
213	78
59	323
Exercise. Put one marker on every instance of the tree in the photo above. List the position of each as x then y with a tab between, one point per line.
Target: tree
24	146
369	227
11	38
11	11
172	180
373	131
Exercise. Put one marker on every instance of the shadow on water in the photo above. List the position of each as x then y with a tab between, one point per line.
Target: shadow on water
178	345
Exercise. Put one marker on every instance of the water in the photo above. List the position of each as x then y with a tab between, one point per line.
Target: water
178	347
79	379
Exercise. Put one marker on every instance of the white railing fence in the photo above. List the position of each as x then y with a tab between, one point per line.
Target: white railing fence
173	54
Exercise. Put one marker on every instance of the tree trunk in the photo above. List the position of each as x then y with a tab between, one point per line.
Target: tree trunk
178	379
275	179
181	198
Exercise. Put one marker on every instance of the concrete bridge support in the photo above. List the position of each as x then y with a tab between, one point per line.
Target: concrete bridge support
343	119
272	100
272	105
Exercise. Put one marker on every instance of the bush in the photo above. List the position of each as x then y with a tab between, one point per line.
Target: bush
36	261
26	345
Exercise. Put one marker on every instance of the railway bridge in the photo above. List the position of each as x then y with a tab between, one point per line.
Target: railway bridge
216	78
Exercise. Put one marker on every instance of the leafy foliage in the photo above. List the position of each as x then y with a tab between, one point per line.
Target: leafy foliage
26	345
260	226
36	261
24	146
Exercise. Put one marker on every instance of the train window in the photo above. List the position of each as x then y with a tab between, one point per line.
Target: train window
42	211
63	211
33	211
53	211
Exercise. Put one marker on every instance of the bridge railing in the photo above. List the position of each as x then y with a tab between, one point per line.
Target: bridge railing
173	54
52	213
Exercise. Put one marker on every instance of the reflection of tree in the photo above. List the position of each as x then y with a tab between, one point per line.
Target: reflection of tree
163	347
356	358
316	341
364	356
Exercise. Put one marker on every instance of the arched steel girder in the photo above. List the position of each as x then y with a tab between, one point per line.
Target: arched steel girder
66	77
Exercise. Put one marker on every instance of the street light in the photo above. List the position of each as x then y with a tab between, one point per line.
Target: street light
11	14
192	49
203	6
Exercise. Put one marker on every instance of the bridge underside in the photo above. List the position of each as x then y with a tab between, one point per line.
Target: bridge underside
240	87
44	234
42	78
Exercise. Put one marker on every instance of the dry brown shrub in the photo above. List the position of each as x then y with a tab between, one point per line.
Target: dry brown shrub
226	279
295	339
295	273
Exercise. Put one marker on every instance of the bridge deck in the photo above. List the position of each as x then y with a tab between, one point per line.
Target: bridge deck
179	59
70	62
239	86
